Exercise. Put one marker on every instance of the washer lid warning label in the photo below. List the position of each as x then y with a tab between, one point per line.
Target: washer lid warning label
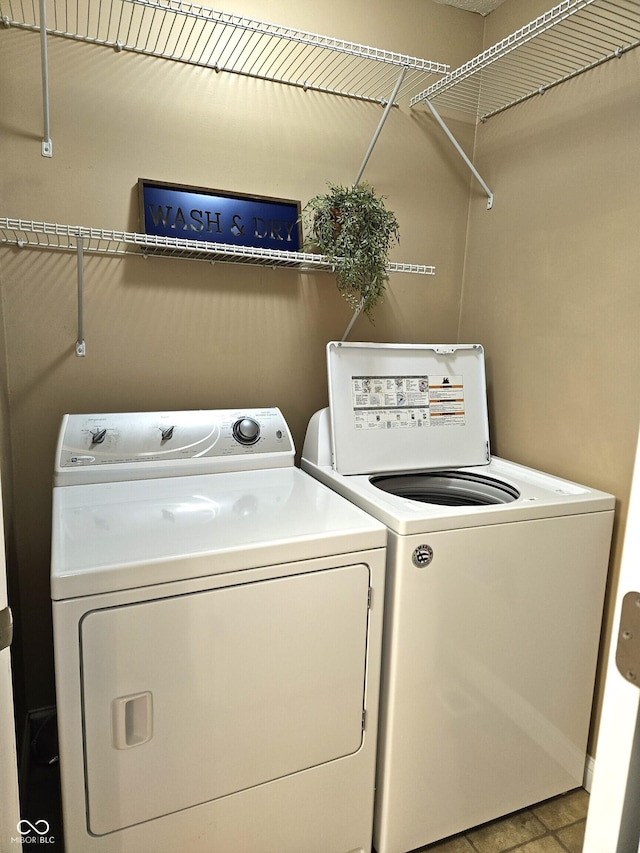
388	402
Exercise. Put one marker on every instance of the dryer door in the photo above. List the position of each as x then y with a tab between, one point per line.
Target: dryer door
195	697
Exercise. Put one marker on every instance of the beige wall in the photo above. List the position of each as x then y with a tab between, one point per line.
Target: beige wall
546	282
551	275
171	334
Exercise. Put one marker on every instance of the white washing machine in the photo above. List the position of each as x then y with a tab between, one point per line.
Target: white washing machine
217	625
495	584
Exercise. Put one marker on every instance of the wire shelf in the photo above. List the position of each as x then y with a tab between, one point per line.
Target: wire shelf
26	233
195	34
569	39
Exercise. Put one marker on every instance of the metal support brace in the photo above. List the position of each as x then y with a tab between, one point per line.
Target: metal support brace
80	345
461	153
353	319
383	119
381	123
47	145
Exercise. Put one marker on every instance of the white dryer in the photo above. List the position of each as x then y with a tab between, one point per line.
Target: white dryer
217	626
495	584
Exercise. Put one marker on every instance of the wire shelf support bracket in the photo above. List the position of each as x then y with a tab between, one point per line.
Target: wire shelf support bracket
381	124
81	349
377	133
462	153
47	145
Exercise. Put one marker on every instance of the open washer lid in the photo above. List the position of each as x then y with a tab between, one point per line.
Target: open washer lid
407	407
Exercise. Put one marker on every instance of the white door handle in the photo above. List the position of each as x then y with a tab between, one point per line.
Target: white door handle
132	720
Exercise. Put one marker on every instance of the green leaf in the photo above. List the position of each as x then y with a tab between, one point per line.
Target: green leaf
352	226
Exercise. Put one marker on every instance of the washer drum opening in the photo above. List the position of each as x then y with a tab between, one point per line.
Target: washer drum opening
448	488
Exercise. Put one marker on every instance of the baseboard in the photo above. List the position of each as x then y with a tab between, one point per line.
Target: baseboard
588	773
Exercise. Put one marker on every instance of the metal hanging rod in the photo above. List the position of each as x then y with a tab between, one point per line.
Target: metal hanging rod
195	34
569	39
26	233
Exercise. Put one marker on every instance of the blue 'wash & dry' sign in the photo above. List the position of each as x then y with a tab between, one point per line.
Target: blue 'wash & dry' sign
216	216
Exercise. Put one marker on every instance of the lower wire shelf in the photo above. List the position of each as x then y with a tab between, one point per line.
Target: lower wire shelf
27	233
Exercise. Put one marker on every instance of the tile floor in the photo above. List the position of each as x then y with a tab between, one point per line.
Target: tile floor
554	826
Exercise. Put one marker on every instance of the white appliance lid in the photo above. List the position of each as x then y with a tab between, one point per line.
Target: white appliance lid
399	407
122	535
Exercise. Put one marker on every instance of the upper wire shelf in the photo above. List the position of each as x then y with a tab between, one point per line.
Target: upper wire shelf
26	233
571	38
198	35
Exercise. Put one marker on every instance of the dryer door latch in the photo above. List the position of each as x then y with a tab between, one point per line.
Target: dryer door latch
628	649
6	628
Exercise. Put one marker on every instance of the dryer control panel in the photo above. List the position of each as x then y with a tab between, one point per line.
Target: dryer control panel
104	447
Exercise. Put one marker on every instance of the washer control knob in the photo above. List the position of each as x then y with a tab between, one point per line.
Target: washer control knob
98	435
246	431
167	433
422	556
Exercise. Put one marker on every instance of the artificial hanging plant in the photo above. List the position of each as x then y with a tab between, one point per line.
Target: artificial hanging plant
352	226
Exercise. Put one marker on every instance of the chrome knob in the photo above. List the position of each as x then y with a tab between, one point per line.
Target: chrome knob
246	431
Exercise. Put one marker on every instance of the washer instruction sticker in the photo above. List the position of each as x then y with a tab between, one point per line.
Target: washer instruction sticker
407	402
